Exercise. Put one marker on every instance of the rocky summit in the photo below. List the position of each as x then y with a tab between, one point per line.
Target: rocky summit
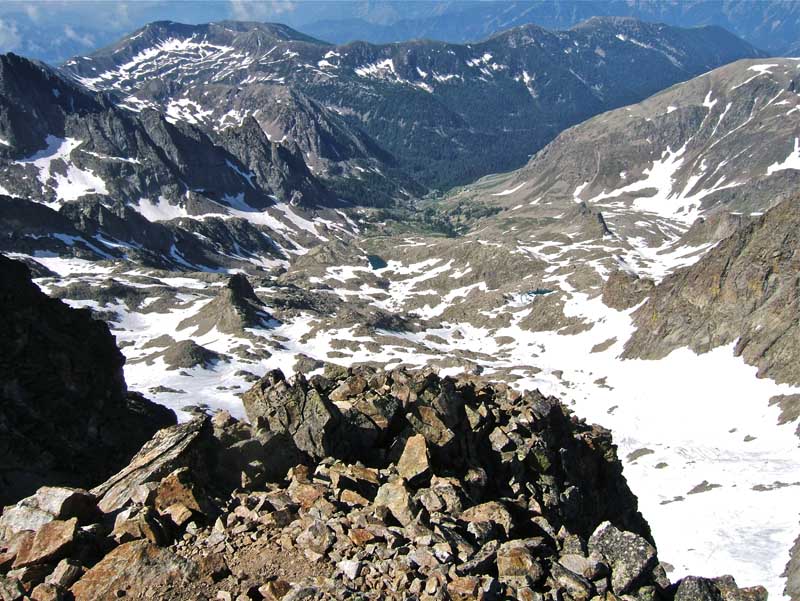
355	484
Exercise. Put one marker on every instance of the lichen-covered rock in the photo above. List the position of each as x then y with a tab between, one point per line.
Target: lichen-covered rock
632	559
295	409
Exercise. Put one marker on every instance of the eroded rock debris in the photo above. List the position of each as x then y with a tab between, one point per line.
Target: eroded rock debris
355	484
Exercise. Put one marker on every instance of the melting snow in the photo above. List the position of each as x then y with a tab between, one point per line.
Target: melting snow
160	210
510	190
76	183
790	162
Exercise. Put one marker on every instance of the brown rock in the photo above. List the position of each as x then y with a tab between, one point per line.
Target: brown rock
516	566
178	513
10	548
361	536
170	449
396	498
351	497
48	592
179	488
414	463
30	576
213	567
66	573
463	588
137	523
275	590
492	512
136	569
304	494
51	542
47	504
578	587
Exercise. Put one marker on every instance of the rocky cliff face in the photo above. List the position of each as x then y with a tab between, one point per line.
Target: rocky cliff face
744	290
65	414
358	483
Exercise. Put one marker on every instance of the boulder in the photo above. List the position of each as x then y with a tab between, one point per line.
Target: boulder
179	488
133	570
396	497
136	522
591	567
12	545
295	409
47	591
414	463
575	585
693	588
50	544
66	573
491	512
47	504
631	558
11	589
516	566
184	445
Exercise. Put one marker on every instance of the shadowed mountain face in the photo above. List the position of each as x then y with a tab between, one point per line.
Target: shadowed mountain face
65	414
446	113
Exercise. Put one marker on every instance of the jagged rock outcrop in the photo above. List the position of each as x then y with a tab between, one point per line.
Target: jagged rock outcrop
623	290
745	290
470	491
65	414
235	308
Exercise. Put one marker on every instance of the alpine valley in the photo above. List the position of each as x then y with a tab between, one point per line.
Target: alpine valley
463	251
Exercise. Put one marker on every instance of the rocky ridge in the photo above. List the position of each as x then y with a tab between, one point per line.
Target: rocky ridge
356	483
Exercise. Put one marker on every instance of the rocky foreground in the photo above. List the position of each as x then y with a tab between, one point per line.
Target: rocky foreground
354	484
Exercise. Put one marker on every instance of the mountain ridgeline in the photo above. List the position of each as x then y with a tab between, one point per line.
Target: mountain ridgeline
442	113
